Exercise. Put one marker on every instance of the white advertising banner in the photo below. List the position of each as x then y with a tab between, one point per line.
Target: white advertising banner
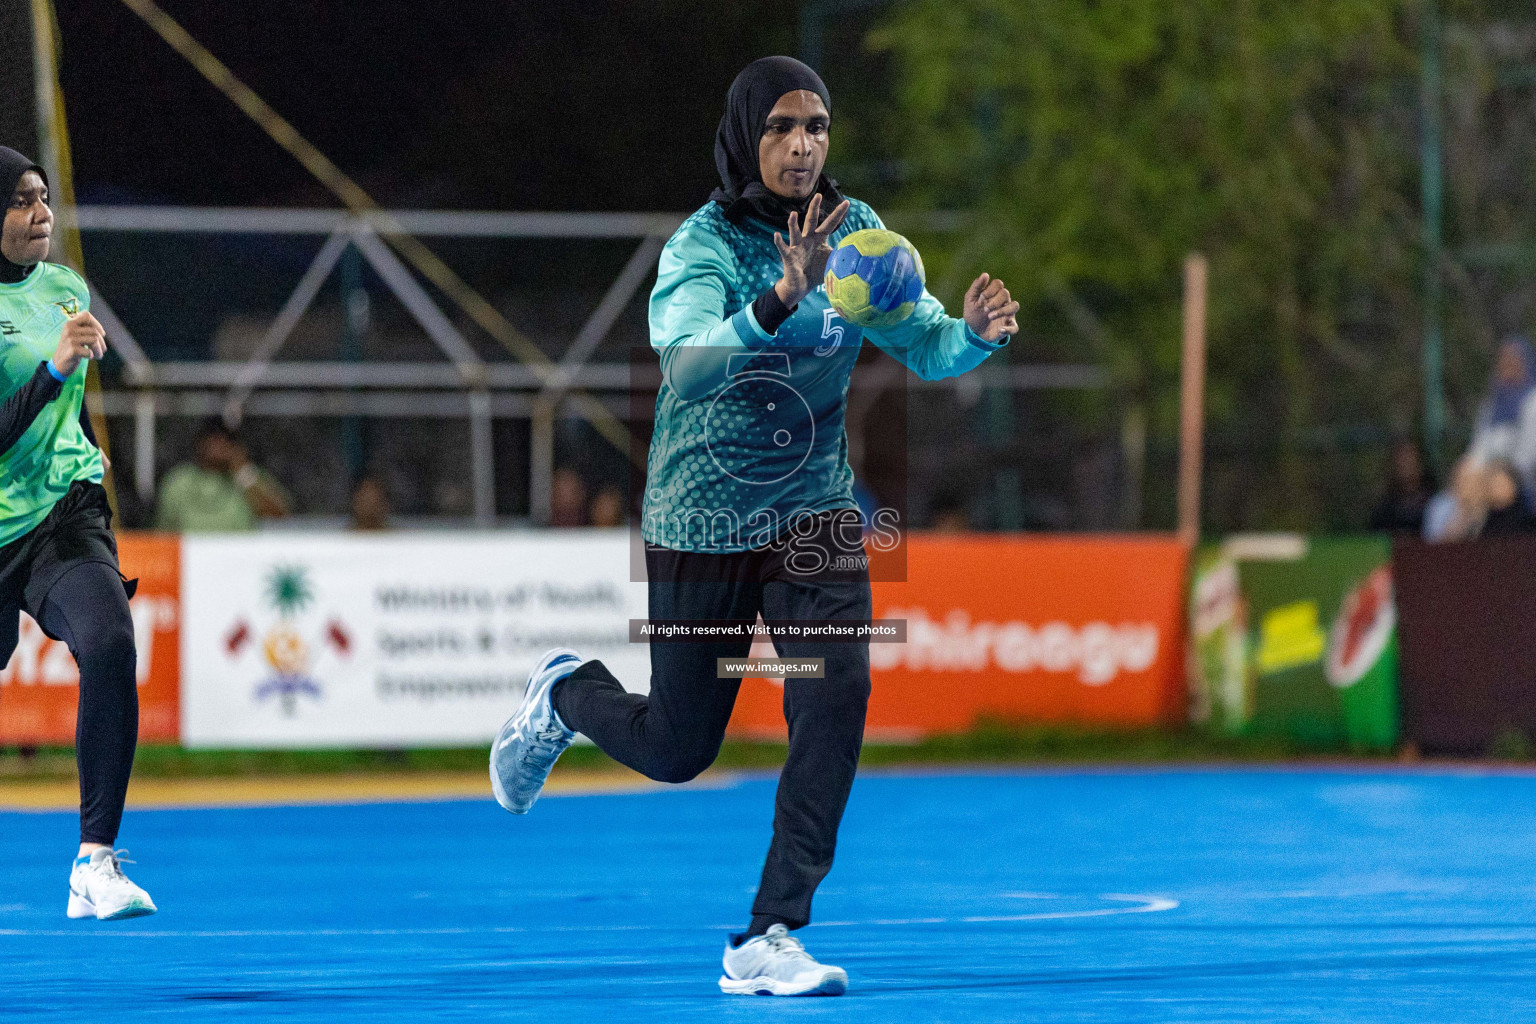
392	640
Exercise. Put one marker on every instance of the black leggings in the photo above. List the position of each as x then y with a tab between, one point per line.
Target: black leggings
88	610
675	733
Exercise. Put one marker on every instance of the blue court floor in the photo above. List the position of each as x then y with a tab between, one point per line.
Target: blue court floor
1124	896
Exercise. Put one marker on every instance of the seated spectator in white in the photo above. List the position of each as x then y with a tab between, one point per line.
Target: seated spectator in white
1484	501
1457	512
1505	432
1410	487
222	491
370	505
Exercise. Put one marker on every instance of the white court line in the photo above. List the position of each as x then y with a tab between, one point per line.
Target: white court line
1149	905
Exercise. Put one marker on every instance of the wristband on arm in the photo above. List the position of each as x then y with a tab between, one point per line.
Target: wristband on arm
770	311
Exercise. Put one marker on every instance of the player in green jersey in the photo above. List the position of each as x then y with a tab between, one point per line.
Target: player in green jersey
58	558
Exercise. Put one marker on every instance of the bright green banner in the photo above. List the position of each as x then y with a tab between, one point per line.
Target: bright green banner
1297	637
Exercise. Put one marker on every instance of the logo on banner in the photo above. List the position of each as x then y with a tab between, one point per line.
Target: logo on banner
1291	636
286	649
1096	652
1362	629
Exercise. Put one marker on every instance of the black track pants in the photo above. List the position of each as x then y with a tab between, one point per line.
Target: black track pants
64	573
88	610
675	733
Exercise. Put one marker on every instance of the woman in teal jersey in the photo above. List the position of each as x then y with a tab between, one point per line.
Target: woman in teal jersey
58	558
749	506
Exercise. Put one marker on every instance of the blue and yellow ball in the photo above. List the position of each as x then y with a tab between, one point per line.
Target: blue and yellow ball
874	278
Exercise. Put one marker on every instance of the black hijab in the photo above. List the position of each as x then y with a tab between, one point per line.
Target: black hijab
12	166
747	107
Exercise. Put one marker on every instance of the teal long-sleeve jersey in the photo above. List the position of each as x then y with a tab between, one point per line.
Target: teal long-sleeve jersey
750	426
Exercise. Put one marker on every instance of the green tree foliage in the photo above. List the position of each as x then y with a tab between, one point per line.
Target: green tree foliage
1098	142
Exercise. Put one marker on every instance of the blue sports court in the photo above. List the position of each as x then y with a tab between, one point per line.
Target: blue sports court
1191	895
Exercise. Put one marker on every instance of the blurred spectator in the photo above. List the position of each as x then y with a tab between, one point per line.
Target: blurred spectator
222	491
452	497
948	514
1508	502
1503	443
1506	422
1410	486
1457	513
370	505
1484	500
607	508
567	498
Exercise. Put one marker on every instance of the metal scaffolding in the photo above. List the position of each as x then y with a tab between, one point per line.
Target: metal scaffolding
234	389
461	386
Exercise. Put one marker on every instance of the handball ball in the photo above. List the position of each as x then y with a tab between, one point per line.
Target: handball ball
874	278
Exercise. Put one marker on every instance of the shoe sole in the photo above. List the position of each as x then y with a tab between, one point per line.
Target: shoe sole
80	908
543	666
833	982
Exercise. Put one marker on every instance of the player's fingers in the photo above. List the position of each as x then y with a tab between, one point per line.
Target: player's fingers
812	213
1003	312
99	349
778	240
81	329
834	219
973	293
992	291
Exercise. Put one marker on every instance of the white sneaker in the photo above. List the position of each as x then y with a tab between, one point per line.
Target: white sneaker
533	739
776	964
98	888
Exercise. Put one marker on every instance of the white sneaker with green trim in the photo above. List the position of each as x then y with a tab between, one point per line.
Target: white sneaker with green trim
98	888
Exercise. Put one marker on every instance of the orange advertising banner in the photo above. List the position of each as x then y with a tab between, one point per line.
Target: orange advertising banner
1083	631
40	686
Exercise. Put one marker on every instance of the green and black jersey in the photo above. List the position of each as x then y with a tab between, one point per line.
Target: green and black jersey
53	452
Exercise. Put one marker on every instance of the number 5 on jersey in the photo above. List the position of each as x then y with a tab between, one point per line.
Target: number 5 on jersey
830	329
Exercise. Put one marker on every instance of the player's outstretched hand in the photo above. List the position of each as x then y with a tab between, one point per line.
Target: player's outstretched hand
989	310
81	338
806	253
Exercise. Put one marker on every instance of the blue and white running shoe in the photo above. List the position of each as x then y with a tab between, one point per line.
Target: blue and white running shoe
533	739
776	964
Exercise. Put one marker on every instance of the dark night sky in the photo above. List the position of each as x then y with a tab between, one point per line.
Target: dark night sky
469	104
